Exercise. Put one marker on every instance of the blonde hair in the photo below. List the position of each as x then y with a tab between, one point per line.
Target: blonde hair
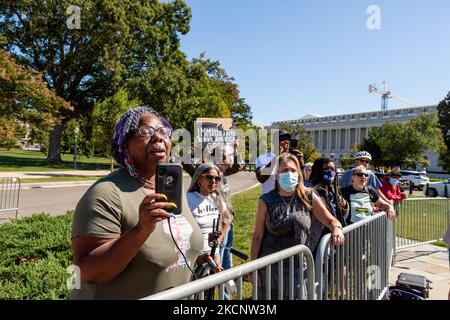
300	190
359	169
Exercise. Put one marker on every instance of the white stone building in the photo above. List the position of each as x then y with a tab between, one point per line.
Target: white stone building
337	134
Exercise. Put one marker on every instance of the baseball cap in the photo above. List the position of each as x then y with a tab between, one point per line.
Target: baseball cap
396	173
284	135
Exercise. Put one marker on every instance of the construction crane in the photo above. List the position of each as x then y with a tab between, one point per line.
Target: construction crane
386	94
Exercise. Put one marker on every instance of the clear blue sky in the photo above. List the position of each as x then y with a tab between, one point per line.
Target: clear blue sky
293	57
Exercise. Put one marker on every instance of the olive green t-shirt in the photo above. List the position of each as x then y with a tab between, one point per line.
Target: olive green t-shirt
109	209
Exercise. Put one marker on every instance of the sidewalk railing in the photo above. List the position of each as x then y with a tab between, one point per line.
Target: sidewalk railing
300	254
358	269
10	188
420	221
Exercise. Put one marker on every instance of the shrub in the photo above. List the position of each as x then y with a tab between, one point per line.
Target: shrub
34	254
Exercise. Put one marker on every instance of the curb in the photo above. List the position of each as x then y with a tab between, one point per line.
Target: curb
240	191
37	185
61	184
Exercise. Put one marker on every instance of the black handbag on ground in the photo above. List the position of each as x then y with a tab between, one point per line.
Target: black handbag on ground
410	287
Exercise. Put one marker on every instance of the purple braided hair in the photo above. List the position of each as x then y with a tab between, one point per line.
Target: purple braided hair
127	125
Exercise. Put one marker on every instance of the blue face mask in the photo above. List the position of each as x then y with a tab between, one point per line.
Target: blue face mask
393	181
288	181
328	176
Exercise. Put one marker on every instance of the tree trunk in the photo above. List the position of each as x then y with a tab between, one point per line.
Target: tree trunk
54	155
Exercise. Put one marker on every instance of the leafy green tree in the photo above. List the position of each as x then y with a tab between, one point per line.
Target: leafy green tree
25	98
186	91
444	124
105	116
371	145
348	160
117	41
305	141
241	113
404	145
11	131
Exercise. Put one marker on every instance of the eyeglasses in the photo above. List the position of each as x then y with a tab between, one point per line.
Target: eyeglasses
364	161
210	177
147	131
360	174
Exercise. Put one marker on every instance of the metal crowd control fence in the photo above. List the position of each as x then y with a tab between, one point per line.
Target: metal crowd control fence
10	194
357	269
391	242
294	289
420	221
250	167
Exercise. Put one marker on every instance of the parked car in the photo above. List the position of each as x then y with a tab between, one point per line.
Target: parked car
415	178
438	189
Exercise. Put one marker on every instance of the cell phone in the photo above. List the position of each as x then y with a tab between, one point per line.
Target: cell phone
169	181
293	144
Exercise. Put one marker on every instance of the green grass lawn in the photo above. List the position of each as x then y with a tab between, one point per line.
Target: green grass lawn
436	179
18	160
423	220
245	205
35	251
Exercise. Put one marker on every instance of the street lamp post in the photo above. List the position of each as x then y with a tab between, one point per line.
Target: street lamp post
75	148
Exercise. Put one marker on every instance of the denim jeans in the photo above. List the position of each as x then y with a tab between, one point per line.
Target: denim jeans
225	255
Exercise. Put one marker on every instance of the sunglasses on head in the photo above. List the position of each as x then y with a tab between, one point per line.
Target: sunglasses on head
360	174
210	177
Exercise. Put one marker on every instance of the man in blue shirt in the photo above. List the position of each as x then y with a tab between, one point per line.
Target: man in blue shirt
266	167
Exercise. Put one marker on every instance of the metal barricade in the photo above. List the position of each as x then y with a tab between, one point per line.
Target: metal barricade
10	194
420	221
295	288
250	167
357	269
391	248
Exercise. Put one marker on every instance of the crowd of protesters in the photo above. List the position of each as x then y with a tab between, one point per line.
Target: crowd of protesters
127	244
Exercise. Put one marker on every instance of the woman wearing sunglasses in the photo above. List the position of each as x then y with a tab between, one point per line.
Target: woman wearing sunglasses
208	207
361	197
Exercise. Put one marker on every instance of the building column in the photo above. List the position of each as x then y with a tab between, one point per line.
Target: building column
320	141
338	139
347	139
330	136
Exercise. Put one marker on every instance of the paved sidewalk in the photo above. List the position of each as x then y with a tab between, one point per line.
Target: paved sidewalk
52	174
56	198
426	260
